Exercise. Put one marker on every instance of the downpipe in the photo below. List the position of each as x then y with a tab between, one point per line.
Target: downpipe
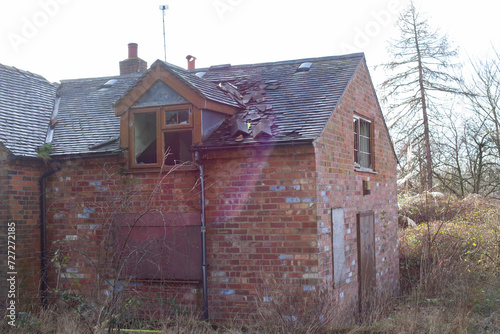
203	236
43	232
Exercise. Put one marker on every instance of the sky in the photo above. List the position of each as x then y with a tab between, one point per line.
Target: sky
68	39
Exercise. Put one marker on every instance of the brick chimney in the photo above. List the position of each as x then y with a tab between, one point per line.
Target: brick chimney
133	64
191	62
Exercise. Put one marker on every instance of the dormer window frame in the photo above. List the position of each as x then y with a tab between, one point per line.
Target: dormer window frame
200	105
162	129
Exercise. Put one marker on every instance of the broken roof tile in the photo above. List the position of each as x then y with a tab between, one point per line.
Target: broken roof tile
238	127
263	128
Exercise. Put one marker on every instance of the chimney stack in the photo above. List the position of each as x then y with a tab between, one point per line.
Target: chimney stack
134	64
132	50
191	62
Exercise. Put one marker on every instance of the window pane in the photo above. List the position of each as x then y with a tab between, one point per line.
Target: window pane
176	117
170	117
145	138
184	117
356	140
365	160
364	144
179	143
364	128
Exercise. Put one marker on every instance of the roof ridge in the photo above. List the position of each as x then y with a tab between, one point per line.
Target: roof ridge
102	78
282	62
27	74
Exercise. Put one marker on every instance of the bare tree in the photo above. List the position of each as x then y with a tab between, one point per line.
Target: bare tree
420	75
483	92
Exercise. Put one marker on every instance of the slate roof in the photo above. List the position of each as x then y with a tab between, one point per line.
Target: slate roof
86	122
297	105
26	104
275	100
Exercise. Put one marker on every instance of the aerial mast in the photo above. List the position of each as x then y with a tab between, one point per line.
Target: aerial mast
163	8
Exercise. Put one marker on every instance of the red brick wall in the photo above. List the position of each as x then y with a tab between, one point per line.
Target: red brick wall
261	226
261	223
20	204
340	186
85	196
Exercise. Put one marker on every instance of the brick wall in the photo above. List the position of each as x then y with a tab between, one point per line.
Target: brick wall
85	197
261	224
340	186
261	227
20	203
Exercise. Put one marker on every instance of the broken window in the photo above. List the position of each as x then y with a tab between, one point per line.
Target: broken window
362	142
145	141
173	136
178	144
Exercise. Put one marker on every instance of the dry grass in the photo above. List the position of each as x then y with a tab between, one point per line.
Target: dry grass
449	270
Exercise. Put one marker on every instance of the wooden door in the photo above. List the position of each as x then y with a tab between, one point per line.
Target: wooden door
366	260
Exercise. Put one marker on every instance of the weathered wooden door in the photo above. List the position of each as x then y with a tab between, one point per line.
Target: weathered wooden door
366	260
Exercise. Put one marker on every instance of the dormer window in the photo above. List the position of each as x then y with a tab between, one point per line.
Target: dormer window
167	112
161	135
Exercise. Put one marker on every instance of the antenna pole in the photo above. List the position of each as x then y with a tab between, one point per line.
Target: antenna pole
163	8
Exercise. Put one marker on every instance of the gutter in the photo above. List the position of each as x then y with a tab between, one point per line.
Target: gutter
43	233
255	144
198	160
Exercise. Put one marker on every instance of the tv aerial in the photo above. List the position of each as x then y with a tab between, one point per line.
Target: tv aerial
163	8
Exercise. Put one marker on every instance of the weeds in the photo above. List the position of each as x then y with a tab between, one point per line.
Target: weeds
449	271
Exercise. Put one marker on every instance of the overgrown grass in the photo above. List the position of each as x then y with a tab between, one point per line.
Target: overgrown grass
449	268
449	274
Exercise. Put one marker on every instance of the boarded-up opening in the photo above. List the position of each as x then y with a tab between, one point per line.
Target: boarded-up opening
366	259
338	246
159	246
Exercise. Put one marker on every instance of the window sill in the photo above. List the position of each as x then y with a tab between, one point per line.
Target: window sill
176	168
161	281
364	170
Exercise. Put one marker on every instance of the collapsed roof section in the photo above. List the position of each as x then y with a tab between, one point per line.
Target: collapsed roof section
285	101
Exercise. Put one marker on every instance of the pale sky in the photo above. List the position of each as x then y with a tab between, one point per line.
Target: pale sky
68	39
